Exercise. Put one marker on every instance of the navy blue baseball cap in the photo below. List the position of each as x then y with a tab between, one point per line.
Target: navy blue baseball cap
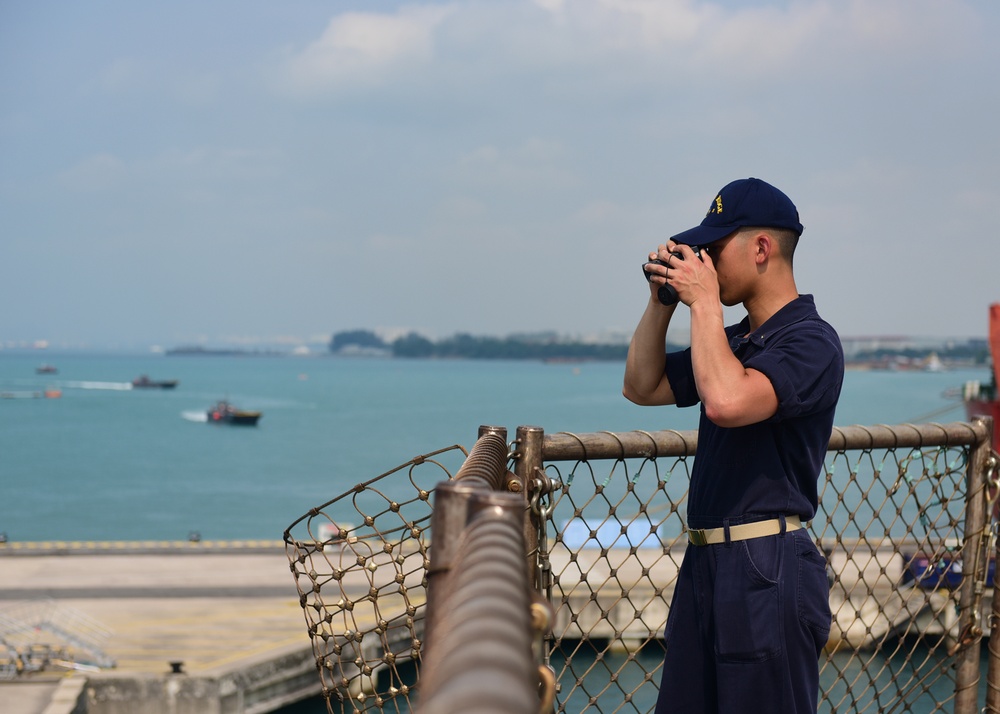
744	203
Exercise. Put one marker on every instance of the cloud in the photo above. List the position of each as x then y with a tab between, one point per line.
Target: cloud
600	211
643	25
217	162
531	165
913	27
705	41
550	50
121	75
473	140
100	172
364	48
198	88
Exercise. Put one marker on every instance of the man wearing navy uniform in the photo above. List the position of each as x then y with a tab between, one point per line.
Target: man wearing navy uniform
750	612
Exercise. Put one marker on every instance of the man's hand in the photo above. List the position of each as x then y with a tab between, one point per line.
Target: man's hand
694	278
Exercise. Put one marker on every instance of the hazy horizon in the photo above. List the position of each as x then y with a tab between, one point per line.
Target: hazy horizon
290	344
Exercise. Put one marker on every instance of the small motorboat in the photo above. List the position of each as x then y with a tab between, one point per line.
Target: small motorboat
46	369
225	413
144	382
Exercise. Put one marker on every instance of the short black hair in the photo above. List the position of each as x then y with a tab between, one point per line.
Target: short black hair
787	239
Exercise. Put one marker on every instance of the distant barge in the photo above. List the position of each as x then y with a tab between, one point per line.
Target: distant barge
144	382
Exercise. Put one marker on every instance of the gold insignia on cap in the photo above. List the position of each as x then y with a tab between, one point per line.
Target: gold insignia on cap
716	205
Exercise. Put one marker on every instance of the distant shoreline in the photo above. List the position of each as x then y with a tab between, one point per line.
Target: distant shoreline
911	363
199	351
877	354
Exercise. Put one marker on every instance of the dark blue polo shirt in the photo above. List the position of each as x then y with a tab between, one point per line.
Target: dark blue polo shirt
771	467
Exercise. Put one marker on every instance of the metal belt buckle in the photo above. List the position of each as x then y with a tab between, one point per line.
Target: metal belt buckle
698	537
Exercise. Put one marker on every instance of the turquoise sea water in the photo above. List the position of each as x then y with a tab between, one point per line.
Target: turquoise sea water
105	462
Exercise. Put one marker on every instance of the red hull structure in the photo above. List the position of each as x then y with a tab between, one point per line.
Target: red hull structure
982	399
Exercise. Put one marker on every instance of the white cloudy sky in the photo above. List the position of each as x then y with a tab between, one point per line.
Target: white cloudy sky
241	169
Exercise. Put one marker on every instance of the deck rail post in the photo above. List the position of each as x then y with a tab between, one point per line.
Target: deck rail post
975	551
528	468
993	668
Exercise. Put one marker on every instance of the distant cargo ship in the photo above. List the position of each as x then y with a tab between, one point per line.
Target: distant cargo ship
182	351
144	382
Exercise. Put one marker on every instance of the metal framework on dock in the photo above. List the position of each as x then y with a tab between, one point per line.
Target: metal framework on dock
907	523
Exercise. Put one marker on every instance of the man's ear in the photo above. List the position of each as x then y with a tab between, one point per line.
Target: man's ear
763	246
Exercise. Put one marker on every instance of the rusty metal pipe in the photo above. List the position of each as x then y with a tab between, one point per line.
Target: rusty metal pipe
643	444
975	553
487	462
481	659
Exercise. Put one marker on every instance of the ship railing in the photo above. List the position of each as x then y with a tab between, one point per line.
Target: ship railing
37	634
906	522
482	643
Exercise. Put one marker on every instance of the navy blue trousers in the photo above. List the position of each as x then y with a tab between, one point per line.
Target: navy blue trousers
746	627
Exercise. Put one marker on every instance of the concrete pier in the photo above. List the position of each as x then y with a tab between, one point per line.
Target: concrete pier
615	595
211	627
217	628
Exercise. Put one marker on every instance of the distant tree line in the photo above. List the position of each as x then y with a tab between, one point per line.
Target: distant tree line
464	346
975	351
550	346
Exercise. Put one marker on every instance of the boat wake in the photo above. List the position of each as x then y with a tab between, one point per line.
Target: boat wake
195	416
118	386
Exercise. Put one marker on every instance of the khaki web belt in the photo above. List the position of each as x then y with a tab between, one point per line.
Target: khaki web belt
744	531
